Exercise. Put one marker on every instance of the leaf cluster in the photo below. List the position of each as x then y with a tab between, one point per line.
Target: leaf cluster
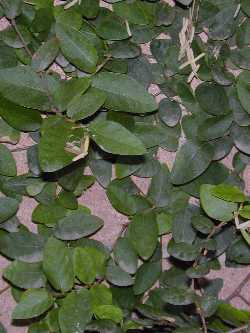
74	79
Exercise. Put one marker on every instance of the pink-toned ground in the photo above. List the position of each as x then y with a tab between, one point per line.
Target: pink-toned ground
97	201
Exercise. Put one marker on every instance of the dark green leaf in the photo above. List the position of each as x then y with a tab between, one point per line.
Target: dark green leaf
146	276
22	86
125	255
124	93
77	48
117	276
143	233
77	225
191	161
58	265
45	55
83	106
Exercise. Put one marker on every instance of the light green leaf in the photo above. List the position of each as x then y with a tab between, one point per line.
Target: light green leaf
116	139
228	193
58	265
109	312
124	93
33	303
216	208
76	48
75	312
88	264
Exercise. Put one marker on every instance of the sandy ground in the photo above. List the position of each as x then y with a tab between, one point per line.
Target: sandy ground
97	201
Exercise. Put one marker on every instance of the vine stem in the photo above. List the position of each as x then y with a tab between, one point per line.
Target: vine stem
238	289
28	51
4	289
13	23
239	329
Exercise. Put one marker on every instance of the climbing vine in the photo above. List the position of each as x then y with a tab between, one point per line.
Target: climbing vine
76	77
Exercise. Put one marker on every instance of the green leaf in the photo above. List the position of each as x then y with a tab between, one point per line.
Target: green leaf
33	303
7	162
164	222
100	295
51	148
12	9
117	276
8	208
83	106
125	255
182	230
160	188
202	224
216	208
191	161
22	86
110	26
245	7
88	264
241	136
243	85
70	89
183	251
222	25
146	276
120	199
48	214
116	139
109	312
75	312
22	245
135	12
25	275
232	315
77	225
169	112
124	93
178	296
76	48
45	55
7	57
228	193
143	233
212	99
245	212
58	265
19	117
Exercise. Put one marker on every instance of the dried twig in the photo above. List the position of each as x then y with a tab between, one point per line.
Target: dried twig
239	329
